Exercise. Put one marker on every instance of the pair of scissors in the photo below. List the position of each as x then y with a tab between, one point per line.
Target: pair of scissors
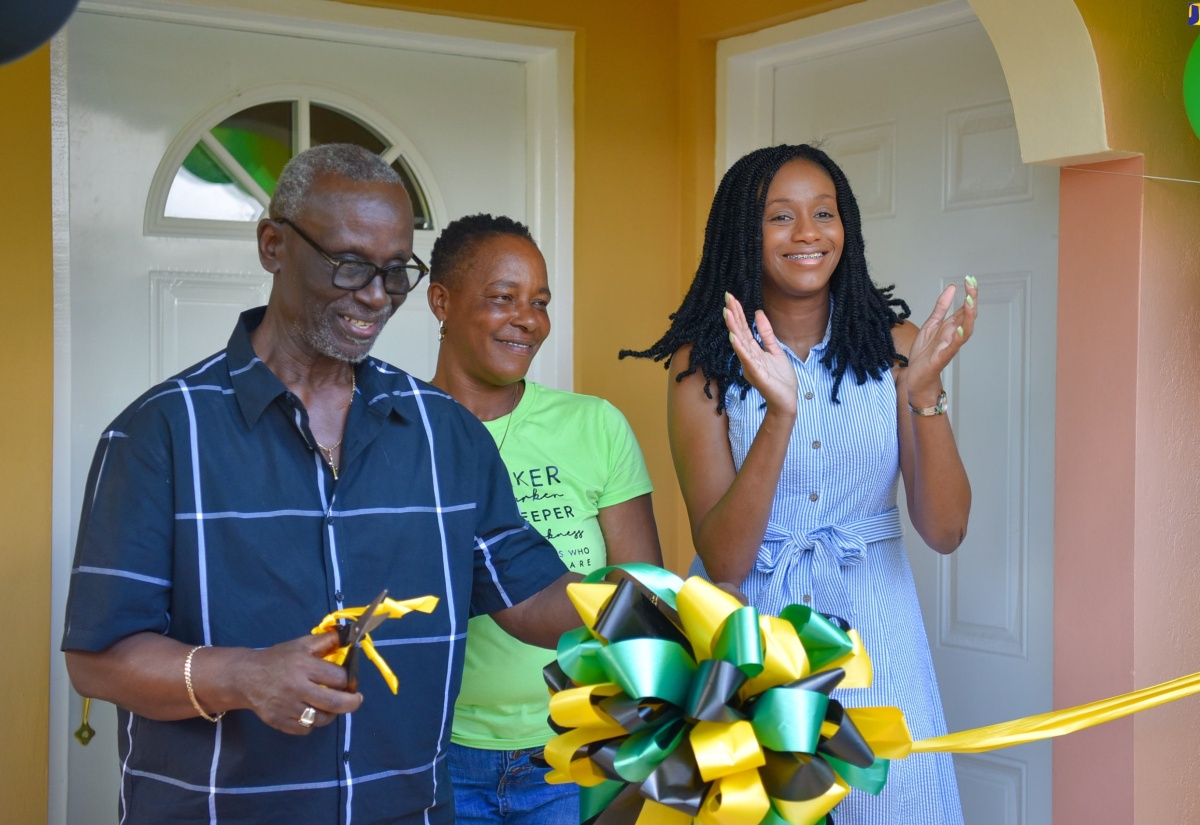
350	635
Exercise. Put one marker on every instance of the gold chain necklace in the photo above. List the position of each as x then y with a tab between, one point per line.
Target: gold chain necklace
516	400
328	451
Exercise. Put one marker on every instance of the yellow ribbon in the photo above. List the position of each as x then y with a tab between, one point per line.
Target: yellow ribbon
393	610
734	799
1059	722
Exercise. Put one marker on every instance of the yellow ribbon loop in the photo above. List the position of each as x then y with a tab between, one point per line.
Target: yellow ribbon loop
812	810
560	754
578	707
884	729
784	658
703	608
735	799
392	609
856	663
724	749
590	599
654	813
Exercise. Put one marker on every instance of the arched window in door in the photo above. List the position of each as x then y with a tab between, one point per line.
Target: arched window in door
219	175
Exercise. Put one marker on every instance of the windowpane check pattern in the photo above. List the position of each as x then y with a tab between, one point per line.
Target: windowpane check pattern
211	518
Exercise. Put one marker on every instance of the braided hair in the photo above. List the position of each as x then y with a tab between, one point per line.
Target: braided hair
860	338
454	247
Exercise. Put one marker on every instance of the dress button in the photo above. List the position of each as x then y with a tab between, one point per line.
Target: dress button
808	396
813	496
807	598
816	445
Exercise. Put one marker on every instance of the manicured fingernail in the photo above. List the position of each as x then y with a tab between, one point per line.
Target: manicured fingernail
960	332
727	297
970	301
725	313
970	279
731	337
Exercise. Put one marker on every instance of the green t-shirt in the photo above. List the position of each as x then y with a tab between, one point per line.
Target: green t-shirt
568	456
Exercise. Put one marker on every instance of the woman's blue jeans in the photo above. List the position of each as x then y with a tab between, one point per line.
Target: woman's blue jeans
502	788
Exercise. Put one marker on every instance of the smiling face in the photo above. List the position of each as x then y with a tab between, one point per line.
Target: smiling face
495	311
802	232
351	220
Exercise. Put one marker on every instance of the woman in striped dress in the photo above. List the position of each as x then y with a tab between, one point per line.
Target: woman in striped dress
789	471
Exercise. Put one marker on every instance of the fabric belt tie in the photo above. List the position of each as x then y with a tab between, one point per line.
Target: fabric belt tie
828	550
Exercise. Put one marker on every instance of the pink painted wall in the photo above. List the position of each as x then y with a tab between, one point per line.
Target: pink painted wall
1141	50
1100	249
1167	502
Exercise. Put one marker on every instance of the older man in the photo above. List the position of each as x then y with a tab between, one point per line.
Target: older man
229	508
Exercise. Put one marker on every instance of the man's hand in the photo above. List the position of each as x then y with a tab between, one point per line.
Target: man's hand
279	682
144	674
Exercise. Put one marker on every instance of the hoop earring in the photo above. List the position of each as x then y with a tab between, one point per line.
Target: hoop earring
441	331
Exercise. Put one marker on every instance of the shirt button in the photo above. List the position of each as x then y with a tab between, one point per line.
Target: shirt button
816	445
345	756
813	497
807	598
337	597
808	396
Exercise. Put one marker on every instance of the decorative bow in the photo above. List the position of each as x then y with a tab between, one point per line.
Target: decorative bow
721	716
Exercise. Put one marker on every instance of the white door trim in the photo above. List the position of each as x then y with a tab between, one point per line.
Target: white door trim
549	59
746	65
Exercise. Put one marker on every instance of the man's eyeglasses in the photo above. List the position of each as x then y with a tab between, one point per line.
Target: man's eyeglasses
400	279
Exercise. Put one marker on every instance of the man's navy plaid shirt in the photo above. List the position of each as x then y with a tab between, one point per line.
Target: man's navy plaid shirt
211	518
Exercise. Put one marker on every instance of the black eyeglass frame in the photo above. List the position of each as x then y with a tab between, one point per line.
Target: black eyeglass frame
386	273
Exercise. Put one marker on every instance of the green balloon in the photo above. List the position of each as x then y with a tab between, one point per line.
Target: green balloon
1191	87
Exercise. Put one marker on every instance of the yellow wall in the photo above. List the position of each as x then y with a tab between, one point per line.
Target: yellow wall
26	366
627	220
1141	60
645	97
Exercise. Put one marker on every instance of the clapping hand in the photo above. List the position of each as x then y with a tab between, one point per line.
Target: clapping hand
939	340
765	366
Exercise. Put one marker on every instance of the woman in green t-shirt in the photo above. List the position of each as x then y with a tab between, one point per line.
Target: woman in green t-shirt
578	477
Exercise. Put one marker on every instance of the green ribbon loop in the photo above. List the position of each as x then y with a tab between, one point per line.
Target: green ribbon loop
870	779
739	642
648	668
594	799
787	719
645	750
824	641
773	817
662	583
578	656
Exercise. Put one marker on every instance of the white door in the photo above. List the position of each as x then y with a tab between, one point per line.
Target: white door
148	297
919	118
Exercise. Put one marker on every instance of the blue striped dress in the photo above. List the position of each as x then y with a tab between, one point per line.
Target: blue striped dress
834	542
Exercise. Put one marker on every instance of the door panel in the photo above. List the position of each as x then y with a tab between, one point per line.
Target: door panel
924	130
143	306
